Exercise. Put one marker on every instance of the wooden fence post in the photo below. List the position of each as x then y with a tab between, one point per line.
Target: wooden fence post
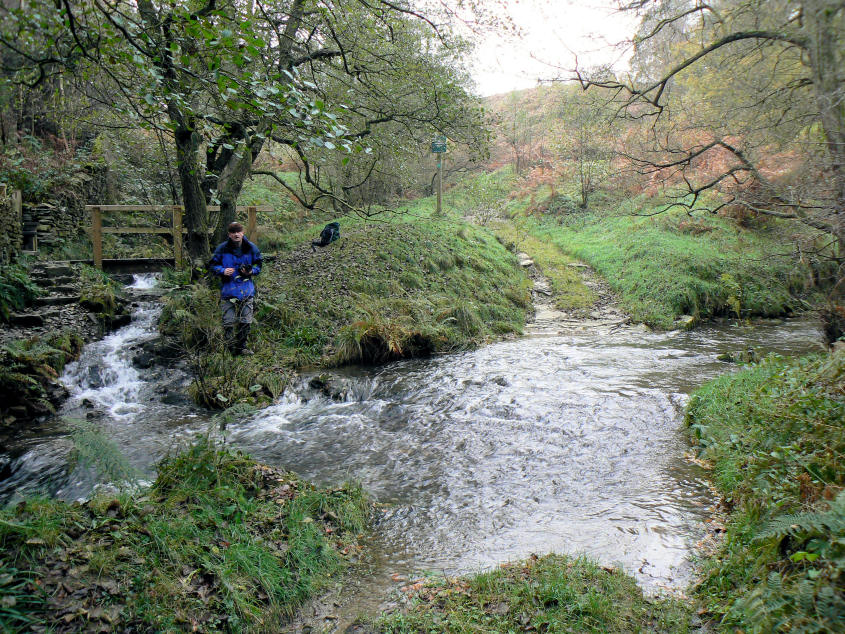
17	210
251	223
177	236
17	204
97	235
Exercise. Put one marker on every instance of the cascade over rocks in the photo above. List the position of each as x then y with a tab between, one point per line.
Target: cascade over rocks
59	310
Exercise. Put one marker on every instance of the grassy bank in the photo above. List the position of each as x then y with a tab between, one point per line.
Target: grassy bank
547	594
671	265
663	266
218	543
775	438
386	290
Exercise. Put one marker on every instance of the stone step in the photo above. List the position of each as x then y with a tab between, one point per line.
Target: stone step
52	281
26	320
51	270
57	300
64	290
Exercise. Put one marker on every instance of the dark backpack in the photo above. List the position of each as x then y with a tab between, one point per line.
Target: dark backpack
330	233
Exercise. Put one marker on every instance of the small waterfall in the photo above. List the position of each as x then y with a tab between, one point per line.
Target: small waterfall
103	385
144	281
104	375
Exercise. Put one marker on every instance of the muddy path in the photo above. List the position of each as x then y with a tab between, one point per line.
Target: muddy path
548	320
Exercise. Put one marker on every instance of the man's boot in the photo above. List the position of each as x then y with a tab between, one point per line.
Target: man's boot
229	339
243	335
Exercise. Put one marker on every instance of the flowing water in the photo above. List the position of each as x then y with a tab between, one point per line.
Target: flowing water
567	443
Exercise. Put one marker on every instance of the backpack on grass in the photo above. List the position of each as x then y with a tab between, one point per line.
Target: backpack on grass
329	234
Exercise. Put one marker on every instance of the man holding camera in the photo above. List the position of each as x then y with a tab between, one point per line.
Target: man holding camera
236	261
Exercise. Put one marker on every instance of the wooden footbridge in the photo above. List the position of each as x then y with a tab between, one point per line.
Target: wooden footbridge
175	231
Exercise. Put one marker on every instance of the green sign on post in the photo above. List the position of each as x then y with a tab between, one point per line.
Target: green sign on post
438	144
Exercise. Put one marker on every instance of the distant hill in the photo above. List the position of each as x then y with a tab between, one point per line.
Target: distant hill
524	121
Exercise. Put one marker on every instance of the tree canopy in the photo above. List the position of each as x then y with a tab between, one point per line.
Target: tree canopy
223	79
743	105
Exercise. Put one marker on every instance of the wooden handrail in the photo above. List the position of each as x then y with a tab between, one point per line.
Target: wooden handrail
176	230
169	207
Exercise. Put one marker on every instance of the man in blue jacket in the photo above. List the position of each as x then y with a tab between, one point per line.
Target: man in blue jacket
236	261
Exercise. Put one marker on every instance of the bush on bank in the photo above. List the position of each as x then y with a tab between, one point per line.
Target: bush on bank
554	593
218	543
775	435
384	291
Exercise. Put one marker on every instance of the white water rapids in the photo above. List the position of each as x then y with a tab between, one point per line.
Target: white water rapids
551	443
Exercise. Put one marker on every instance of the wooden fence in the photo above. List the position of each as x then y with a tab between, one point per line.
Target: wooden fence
175	230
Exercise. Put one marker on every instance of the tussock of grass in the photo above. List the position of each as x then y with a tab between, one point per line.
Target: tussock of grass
547	594
775	436
219	543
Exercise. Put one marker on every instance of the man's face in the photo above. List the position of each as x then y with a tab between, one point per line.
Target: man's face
236	236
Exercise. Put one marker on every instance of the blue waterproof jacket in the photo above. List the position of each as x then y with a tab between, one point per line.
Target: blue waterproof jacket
224	257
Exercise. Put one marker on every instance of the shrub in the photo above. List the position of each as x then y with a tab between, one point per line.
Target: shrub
99	293
28	367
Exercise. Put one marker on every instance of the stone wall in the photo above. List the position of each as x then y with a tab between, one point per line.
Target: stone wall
52	223
10	222
64	219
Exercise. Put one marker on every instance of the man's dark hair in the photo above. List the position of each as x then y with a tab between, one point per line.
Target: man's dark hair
234	227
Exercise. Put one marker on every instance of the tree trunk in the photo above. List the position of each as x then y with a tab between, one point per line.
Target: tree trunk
825	52
230	183
196	212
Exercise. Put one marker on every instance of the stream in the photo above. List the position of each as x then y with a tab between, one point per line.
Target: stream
555	442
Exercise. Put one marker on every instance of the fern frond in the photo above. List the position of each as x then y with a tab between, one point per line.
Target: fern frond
809	524
95	449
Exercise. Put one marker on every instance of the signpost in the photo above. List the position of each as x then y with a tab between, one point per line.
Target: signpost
438	147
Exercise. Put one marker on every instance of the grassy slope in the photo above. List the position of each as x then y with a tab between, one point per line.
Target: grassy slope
775	435
385	290
663	266
454	284
670	265
218	543
547	594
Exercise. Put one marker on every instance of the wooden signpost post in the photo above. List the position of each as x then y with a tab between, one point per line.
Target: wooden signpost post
438	147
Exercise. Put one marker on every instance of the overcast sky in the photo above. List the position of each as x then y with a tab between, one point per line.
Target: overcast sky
553	32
